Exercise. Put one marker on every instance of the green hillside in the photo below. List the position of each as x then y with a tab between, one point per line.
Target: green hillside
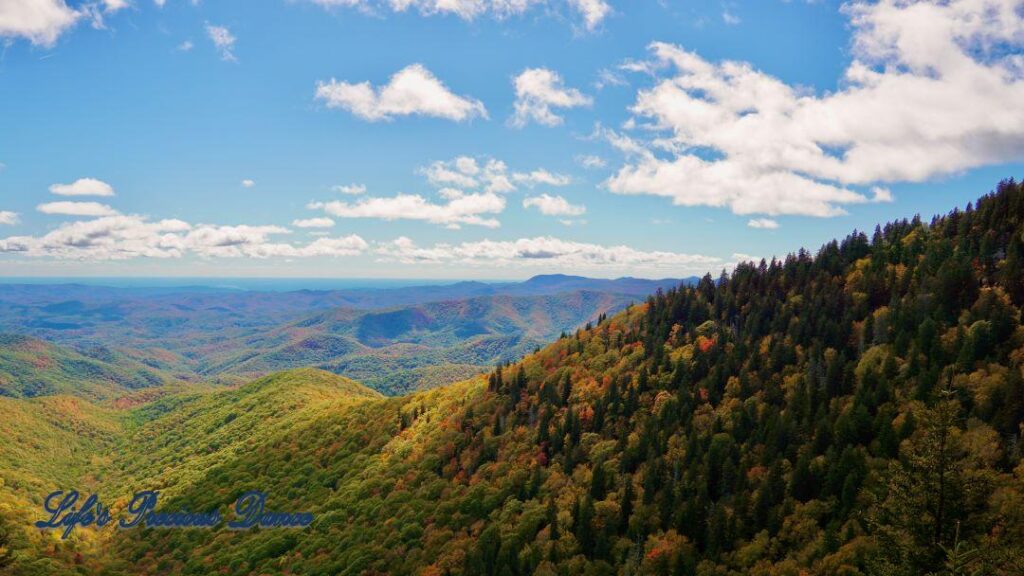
50	442
859	411
31	367
403	349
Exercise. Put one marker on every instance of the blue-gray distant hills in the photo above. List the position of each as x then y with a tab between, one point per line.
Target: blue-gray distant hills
393	339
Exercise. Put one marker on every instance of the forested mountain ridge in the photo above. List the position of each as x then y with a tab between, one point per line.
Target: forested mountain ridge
854	412
402	349
32	367
121	337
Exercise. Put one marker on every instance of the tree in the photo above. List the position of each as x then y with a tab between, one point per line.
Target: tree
932	489
6	546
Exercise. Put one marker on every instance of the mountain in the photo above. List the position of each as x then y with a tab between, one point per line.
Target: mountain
196	334
406	348
858	411
32	367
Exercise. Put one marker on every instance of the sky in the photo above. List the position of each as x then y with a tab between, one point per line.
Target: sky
492	139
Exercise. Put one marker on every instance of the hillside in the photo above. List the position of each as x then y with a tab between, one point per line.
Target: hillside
858	411
394	340
400	349
170	444
49	442
31	367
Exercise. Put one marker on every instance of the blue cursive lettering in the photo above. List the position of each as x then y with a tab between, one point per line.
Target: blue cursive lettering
65	514
250	512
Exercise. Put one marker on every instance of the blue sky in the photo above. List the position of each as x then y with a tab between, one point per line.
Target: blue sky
488	138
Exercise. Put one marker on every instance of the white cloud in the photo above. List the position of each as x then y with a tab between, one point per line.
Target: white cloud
932	89
593	11
336	3
83	187
313	223
350	245
470	189
467	172
465	9
553	206
730	18
590	161
541	176
352	189
881	194
763	223
122	237
546	252
606	78
111	6
8	218
108	238
76	209
247	183
186	46
461	172
412	90
538	91
459	209
40	22
223	40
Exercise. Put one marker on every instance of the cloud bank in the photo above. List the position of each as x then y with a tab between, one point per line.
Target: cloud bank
932	89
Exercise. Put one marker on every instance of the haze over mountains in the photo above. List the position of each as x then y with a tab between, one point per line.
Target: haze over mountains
394	339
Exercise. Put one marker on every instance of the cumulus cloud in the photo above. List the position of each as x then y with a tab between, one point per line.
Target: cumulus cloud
122	237
467	172
8	218
313	223
538	92
490	174
351	189
932	89
541	177
247	183
40	22
590	161
459	209
414	90
553	206
881	194
350	245
544	251
76	209
763	223
223	40
83	187
114	5
592	12
471	191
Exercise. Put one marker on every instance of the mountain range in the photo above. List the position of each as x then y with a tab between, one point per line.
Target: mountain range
395	339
